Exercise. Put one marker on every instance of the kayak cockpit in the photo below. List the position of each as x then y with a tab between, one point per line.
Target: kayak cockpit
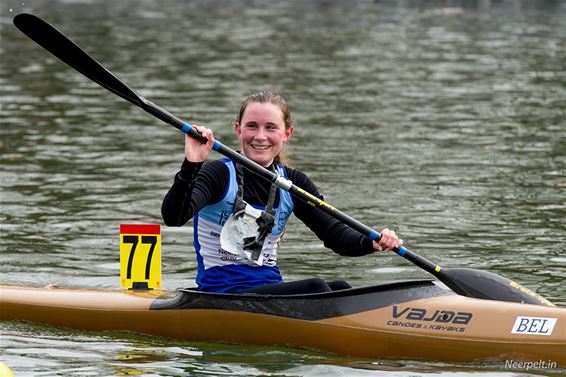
309	306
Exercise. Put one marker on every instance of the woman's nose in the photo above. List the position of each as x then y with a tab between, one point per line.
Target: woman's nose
260	134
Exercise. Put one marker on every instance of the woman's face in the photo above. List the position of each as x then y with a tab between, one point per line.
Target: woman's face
262	132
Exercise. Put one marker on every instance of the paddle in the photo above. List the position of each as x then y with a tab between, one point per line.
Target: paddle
463	281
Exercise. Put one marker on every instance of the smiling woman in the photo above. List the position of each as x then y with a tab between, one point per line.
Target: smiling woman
238	226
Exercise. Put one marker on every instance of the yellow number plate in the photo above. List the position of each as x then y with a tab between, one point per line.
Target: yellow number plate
140	256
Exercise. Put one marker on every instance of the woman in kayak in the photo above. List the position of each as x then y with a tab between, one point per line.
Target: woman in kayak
239	217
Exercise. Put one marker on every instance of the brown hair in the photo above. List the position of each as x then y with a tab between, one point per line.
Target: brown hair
269	96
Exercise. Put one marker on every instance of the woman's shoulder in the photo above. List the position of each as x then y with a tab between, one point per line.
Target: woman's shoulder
220	164
215	169
295	173
300	179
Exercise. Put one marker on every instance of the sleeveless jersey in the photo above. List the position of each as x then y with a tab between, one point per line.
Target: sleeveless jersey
222	271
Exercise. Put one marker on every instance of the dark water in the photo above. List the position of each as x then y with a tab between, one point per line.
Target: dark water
444	120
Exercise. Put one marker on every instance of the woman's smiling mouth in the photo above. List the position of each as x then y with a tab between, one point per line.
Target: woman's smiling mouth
260	147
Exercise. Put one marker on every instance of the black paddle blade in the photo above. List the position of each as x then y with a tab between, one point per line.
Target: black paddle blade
63	48
489	286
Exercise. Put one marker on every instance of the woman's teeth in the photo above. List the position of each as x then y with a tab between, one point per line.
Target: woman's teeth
260	147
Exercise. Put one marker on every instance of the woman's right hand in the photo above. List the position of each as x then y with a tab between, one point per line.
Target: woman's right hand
195	151
388	241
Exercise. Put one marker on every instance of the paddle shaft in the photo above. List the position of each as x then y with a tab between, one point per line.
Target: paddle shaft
63	48
285	184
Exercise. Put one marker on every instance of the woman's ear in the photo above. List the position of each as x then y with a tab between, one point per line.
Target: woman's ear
288	133
237	128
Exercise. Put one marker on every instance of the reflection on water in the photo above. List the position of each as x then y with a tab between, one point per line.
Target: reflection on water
442	120
36	350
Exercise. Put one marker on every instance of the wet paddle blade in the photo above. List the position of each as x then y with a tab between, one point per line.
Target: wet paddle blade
63	48
489	286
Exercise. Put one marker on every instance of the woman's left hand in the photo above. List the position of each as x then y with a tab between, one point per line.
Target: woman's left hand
388	241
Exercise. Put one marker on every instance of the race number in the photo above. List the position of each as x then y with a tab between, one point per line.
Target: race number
140	256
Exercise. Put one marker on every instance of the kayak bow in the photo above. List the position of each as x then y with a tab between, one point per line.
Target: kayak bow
414	319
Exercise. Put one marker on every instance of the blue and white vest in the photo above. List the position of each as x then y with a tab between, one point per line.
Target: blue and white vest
222	271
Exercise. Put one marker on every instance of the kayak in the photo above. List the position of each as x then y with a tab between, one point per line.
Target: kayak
402	320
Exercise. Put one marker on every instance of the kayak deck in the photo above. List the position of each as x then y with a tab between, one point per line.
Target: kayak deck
416	319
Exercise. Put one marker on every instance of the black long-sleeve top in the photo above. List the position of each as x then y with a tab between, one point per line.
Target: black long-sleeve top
199	184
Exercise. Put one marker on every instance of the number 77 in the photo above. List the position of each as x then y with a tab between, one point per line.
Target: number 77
149	240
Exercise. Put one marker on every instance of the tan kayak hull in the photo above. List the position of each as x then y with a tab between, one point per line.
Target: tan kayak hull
386	332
